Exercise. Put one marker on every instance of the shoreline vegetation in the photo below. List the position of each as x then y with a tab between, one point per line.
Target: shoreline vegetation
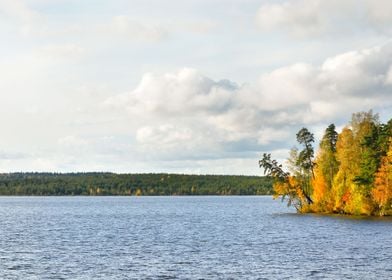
101	184
351	173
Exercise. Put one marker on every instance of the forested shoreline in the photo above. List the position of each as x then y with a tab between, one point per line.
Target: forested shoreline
350	174
52	184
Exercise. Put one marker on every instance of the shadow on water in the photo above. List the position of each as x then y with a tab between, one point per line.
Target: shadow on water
342	217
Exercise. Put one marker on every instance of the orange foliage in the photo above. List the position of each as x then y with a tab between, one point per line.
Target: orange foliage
335	186
346	198
382	192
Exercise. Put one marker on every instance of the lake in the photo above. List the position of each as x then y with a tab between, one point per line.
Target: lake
199	237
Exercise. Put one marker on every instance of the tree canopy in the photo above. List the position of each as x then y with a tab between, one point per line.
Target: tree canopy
131	184
351	173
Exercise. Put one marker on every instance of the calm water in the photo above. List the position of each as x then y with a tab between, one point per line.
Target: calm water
185	238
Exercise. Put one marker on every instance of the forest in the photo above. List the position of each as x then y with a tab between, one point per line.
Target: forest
350	174
131	184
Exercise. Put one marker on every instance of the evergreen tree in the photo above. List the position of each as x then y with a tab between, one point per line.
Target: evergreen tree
305	161
327	155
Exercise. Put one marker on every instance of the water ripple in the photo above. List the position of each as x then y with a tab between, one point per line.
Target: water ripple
185	238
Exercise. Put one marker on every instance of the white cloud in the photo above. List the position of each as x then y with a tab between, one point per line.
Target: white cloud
268	135
18	10
61	89
128	28
183	114
29	22
301	17
163	135
287	86
181	93
379	13
23	19
61	51
73	141
304	18
388	77
198	27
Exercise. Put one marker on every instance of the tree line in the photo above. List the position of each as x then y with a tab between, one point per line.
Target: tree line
350	174
131	184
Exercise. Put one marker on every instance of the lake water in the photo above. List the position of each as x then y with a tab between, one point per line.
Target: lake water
234	237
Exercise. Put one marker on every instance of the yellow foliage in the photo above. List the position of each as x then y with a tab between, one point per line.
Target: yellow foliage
292	189
320	192
319	187
343	189
352	201
339	184
382	192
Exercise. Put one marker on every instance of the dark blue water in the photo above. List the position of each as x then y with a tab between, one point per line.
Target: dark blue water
185	238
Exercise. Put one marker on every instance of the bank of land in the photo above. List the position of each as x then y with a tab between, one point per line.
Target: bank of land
131	184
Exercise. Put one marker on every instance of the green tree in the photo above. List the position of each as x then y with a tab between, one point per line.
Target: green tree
305	161
305	157
366	129
327	162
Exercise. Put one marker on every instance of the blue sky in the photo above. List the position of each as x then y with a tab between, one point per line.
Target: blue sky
183	86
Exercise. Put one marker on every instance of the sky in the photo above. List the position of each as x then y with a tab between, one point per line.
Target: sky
183	86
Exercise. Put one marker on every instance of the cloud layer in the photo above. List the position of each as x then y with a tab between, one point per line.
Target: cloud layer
185	115
186	86
303	18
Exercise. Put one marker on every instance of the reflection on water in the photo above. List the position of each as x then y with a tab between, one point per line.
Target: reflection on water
185	238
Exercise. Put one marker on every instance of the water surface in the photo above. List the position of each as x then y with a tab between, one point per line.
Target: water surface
236	237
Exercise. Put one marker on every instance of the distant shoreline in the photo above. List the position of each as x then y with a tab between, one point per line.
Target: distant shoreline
129	196
112	184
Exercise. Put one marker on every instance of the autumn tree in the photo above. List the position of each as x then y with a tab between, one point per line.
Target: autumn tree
382	191
352	172
285	185
325	170
296	187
